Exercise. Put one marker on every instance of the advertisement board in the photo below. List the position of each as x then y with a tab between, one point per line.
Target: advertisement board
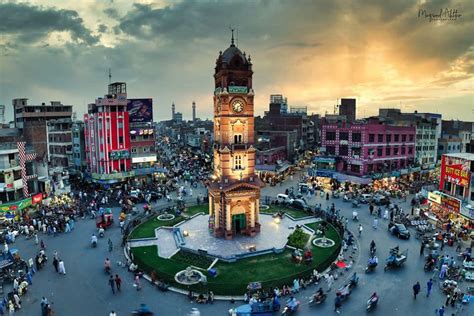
14	206
455	170
450	203
433	197
140	110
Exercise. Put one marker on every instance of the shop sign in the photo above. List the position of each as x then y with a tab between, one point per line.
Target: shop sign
324	174
433	197
403	171
415	169
15	206
450	203
113	176
377	176
37	198
119	154
396	174
324	160
457	174
143	159
468	211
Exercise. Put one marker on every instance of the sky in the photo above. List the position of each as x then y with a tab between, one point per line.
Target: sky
383	53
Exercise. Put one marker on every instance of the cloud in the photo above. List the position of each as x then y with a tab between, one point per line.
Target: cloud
402	97
29	23
102	28
296	44
112	13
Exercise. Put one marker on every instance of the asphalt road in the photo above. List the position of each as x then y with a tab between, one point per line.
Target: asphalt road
84	290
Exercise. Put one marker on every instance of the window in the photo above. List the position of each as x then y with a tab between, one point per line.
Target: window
146	149
343	135
371	138
403	150
404	138
388	151
238	139
108	139
389	138
395	151
355	168
380	138
134	150
120	139
331	150
330	135
120	124
343	150
238	162
356	151
356	137
379	151
397	138
410	137
410	150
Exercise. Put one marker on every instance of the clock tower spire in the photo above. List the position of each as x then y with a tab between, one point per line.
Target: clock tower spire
234	191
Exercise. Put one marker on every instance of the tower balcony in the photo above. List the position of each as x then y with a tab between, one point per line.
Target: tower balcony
239	147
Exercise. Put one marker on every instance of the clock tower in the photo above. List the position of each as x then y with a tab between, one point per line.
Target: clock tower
234	189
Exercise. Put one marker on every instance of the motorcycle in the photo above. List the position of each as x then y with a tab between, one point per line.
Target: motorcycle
344	292
288	310
346	198
94	243
316	300
370	267
355	216
372	303
372	251
355	203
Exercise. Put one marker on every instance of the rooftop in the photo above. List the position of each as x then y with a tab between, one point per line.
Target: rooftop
466	156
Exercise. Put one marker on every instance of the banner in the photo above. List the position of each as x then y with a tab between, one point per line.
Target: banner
140	110
455	171
15	206
450	203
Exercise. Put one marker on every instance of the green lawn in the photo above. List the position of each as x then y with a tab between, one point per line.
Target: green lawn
147	229
203	208
233	278
295	213
298	239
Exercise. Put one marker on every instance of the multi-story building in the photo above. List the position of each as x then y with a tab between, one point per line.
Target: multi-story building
47	128
449	145
281	100
463	130
348	109
426	126
107	137
18	179
368	147
78	147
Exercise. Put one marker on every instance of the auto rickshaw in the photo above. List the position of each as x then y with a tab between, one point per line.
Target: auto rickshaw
104	220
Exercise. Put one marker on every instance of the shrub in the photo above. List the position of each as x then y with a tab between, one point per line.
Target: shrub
298	238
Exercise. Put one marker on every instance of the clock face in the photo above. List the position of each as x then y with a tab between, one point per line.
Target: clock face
238	106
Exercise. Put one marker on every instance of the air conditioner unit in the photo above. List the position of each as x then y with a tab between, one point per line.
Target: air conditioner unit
13	163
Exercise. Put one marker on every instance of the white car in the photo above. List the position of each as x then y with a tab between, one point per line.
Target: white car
366	198
284	199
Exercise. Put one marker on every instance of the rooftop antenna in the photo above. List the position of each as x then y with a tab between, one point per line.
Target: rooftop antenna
232	40
110	76
237	38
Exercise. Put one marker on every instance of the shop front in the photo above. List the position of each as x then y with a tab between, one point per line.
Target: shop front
444	208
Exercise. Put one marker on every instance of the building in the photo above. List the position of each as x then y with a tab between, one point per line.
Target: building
426	125
47	128
455	201
348	109
234	191
267	139
107	137
173	111
78	148
194	111
178	117
449	145
463	130
368	147
18	178
281	101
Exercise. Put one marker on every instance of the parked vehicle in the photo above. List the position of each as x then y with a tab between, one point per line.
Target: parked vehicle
284	199
300	204
399	230
366	198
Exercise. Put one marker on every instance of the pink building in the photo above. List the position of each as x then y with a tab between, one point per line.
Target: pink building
367	147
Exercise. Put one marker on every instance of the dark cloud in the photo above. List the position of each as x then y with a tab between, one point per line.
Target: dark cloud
296	44
402	97
30	23
102	28
112	13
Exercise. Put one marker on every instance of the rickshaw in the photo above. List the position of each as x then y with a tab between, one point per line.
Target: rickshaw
396	258
105	220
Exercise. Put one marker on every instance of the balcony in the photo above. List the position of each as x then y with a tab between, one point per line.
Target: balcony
239	147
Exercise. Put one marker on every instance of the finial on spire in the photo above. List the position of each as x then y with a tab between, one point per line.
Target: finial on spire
110	76
232	41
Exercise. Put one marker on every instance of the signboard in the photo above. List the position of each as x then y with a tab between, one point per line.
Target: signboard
113	176
237	89
140	110
142	131
35	199
455	170
324	160
403	171
450	203
119	154
143	159
15	206
254	286
324	174
468	211
433	197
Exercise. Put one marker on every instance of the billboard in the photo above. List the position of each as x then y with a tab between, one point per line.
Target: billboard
140	110
456	171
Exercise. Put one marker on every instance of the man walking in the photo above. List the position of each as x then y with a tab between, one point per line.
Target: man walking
429	285
371	209
118	282
56	264
416	289
112	284
360	230
422	249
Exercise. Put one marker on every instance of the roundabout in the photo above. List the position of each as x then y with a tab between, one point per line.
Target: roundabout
166	217
229	267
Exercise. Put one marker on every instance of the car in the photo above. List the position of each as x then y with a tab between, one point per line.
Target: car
300	204
399	230
366	198
304	187
380	199
284	199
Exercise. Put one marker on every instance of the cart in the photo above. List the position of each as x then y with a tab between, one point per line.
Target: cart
104	220
396	258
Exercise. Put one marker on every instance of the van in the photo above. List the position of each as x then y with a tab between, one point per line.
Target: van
284	199
300	204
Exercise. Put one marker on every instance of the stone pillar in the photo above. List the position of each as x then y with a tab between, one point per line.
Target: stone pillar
211	205
252	213
217	215
228	224
257	209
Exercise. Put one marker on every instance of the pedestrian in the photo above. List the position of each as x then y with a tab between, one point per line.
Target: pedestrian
44	304
416	289
429	285
61	268
36	239
360	230
110	245
454	298
337	303
112	284
118	282
42	245
448	298
441	311
385	214
56	264
136	282
442	272
422	248
112	313
391	216
374	225
379	212
122	226
371	209
330	280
